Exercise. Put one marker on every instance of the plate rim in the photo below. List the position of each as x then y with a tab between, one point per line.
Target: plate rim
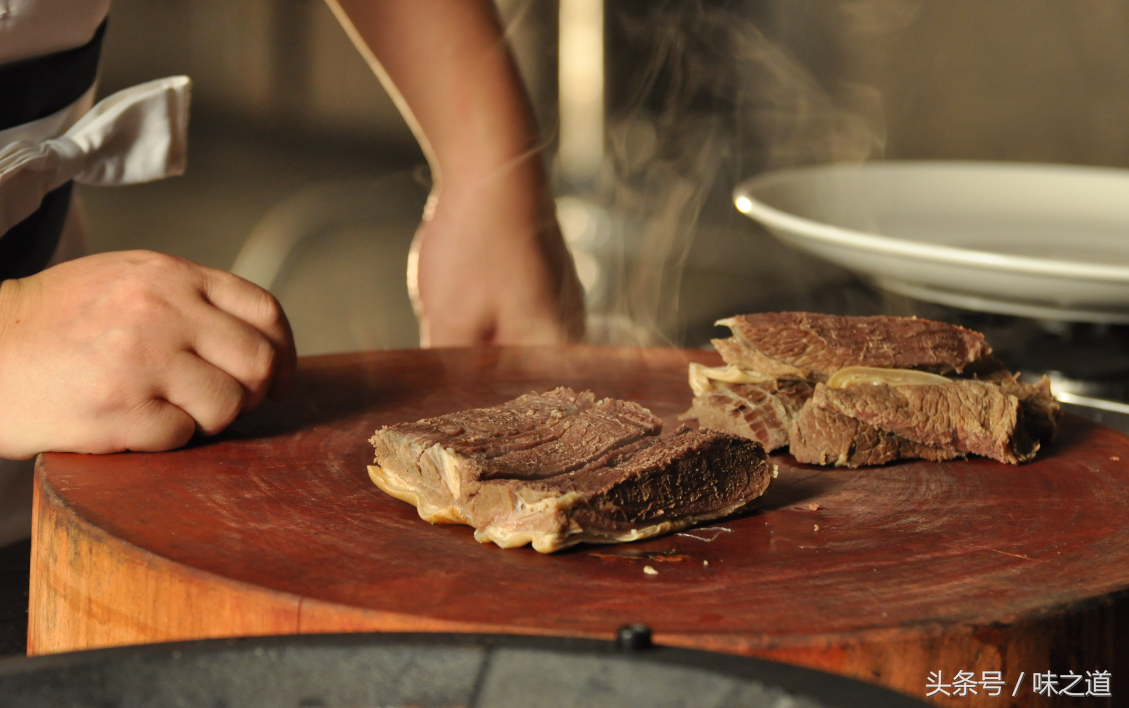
799	226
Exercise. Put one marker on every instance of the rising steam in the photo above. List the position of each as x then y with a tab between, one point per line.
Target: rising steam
718	102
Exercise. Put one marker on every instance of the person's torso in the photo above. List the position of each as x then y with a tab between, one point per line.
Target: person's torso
31	28
48	68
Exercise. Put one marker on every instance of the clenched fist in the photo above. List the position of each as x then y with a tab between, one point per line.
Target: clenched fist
133	351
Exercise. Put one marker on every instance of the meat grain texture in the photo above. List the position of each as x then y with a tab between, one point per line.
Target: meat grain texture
853	391
561	468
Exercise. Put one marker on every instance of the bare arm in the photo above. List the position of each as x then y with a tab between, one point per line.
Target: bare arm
489	265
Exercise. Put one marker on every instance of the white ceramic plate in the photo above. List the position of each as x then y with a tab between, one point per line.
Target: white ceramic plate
1045	241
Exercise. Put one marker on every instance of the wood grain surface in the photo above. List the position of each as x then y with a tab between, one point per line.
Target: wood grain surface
898	571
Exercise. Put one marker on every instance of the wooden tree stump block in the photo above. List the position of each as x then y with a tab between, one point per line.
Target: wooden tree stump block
884	574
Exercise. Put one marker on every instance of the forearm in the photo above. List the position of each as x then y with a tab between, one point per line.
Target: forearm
491	265
447	65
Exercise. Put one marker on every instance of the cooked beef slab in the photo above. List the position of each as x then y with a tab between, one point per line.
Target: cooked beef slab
560	468
810	347
932	422
851	391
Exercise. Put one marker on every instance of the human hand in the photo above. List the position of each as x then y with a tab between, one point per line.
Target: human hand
489	266
133	351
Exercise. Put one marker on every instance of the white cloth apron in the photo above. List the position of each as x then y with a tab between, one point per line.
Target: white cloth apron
134	136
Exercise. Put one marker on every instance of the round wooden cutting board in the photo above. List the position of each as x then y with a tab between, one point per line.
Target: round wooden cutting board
885	574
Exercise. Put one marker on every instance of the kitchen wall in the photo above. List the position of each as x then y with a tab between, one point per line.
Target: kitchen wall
288	63
281	100
1032	80
284	106
703	94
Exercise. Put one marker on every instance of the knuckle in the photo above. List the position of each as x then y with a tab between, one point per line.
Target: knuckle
124	345
136	300
172	435
225	410
154	272
147	305
262	363
144	427
113	392
270	310
158	261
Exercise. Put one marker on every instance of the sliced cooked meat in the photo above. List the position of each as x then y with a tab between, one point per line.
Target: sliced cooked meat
1041	413
962	416
824	437
805	346
560	468
761	412
885	388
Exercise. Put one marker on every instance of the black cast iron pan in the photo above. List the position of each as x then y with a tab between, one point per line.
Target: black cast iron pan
386	670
